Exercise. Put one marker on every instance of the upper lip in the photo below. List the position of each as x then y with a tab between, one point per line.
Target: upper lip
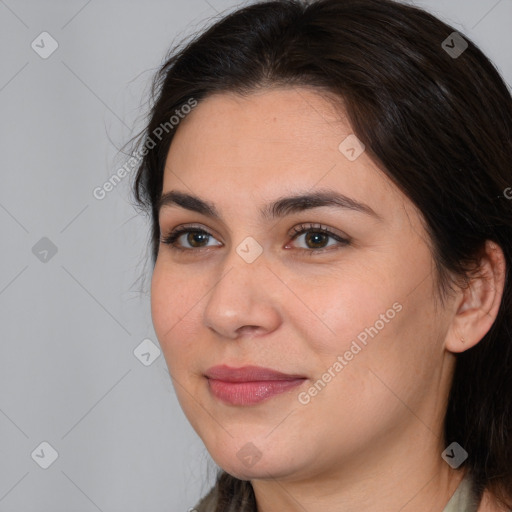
248	374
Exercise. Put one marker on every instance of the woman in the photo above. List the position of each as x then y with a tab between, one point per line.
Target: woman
331	242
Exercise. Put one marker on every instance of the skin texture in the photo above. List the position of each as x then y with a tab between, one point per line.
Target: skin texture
371	438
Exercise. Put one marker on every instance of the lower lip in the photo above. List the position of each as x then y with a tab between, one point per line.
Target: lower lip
249	393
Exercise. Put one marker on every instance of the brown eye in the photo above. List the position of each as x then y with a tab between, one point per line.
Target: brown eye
316	237
194	237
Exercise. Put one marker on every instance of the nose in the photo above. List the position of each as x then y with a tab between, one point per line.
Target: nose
244	300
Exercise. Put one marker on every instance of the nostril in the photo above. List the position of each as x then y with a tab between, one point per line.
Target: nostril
247	329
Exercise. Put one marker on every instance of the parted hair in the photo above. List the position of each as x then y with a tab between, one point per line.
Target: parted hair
437	123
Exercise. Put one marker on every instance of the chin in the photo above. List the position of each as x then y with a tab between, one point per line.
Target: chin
249	464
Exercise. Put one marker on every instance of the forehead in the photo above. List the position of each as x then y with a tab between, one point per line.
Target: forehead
269	144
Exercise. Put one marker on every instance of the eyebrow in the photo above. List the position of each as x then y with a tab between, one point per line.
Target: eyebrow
281	207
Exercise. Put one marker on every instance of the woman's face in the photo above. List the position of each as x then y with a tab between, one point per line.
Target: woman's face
354	321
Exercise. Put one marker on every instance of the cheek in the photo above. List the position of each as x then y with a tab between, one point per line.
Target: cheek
389	348
367	323
163	311
172	310
339	309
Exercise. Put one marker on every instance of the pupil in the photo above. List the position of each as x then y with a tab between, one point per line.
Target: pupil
193	234
321	235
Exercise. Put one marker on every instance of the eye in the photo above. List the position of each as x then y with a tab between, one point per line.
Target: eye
316	236
195	237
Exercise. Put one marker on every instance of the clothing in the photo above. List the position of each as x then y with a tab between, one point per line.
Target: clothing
463	499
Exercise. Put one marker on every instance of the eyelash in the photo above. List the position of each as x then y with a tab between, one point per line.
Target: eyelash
171	238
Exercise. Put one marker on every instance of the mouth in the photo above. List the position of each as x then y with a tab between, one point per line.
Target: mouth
249	385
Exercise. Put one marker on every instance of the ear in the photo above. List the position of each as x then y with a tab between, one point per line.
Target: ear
478	303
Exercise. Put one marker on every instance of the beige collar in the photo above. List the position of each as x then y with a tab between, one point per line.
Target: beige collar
463	499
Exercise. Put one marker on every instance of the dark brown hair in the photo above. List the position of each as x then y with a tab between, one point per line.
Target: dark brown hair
439	125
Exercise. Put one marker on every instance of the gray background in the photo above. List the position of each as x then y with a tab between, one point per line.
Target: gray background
71	321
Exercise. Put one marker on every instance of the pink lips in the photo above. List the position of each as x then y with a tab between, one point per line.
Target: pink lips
250	384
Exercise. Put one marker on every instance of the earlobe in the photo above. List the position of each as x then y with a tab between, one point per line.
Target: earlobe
479	302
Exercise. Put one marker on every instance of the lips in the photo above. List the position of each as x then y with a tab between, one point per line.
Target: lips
248	374
249	385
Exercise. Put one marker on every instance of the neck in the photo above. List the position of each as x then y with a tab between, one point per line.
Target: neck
399	477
